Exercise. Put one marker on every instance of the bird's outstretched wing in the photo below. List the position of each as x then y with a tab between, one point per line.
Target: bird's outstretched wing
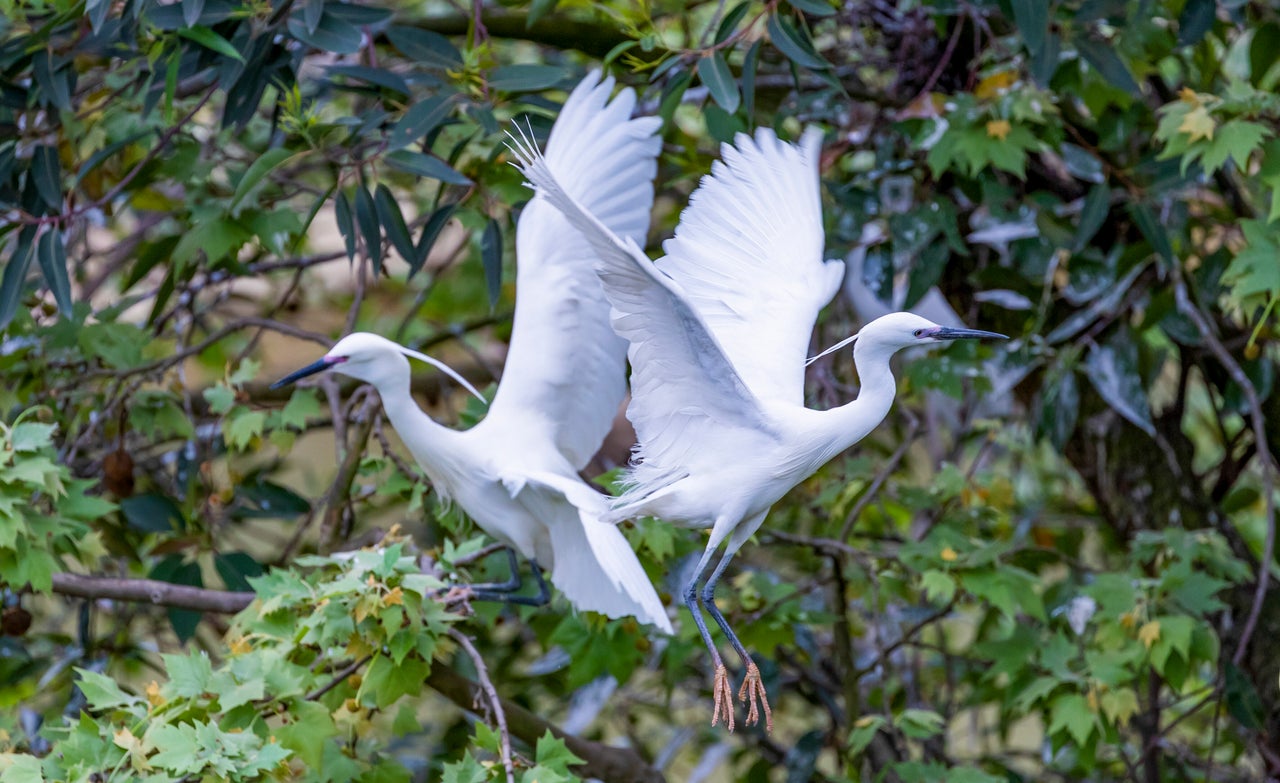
566	369
683	386
748	256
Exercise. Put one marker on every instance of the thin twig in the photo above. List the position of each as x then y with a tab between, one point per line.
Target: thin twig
499	717
913	426
1258	423
346	672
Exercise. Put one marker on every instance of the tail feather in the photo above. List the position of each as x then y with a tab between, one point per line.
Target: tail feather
610	579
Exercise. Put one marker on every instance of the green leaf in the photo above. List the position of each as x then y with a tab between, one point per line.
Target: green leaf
525	78
221	398
31	436
425	166
152	513
864	730
102	692
715	74
1235	139
1103	57
430	232
813	7
1032	19
346	226
424	46
729	24
919	724
491	257
367	219
15	275
379	77
331	34
419	120
266	163
236	569
552	753
1112	368
1242	699
21	768
1071	713
794	43
939	586
189	675
211	40
240	429
1196	19
245	372
191	10
46	171
393	223
1097	205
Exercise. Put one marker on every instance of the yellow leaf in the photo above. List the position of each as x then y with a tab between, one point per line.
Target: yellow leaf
396	596
994	84
949	555
153	694
998	129
1149	633
240	646
1190	96
1198	124
864	721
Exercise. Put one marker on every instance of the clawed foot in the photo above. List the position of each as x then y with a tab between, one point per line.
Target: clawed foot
723	695
753	694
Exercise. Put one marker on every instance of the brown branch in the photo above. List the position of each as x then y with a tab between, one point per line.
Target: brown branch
151	591
616	765
346	672
495	703
1269	467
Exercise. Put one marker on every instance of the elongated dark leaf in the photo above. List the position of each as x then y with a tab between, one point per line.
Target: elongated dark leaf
191	10
537	10
1154	232
266	163
175	569
523	78
152	513
749	63
1097	204
1195	20
393	223
729	24
1032	19
491	256
211	40
330	35
54	83
813	7
357	15
95	160
1264	51
794	43
97	13
425	166
367	219
430	232
1105	61
46	171
425	47
346	227
419	120
311	13
53	264
715	74
236	569
1112	368
671	95
1044	63
380	77
1242	699
1059	407
15	275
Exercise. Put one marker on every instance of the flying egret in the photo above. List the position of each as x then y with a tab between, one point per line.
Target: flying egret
516	472
718	331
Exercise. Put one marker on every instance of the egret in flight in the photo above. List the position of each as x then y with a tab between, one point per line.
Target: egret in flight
516	472
718	330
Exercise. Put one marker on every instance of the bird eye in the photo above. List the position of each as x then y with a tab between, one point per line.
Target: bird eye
918	333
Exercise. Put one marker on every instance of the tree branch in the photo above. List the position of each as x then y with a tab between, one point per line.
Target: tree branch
616	765
151	591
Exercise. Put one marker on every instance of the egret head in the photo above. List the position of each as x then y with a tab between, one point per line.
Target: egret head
895	331
372	359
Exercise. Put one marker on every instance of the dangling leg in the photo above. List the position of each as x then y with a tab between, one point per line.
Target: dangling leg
721	691
504	591
752	691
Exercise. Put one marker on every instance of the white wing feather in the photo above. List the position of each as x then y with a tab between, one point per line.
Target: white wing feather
565	371
683	387
748	256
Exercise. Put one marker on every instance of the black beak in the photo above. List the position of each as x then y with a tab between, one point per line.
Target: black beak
948	333
310	369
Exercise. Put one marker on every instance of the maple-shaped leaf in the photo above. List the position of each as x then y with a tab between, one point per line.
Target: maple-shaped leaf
1235	139
1198	124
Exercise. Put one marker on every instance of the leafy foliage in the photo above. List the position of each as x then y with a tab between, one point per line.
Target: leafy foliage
1050	569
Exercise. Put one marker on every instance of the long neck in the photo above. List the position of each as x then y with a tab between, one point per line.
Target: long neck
851	422
432	445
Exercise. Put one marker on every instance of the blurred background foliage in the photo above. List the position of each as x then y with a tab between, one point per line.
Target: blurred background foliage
1053	561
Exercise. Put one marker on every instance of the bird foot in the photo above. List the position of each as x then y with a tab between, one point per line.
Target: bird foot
753	694
722	692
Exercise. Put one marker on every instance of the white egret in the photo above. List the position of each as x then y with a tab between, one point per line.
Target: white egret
516	472
718	331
